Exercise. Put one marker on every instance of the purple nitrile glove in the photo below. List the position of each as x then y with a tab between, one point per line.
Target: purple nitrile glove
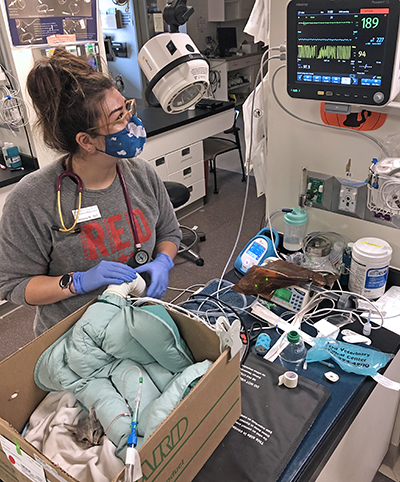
104	273
158	271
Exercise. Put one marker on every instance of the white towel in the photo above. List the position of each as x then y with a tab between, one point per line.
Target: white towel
258	23
47	433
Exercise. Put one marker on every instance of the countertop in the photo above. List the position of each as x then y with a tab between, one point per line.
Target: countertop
156	121
8	176
307	464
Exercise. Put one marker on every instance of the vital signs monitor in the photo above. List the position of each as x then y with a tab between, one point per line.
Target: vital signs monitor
343	50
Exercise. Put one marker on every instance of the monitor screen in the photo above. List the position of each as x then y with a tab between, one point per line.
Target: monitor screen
226	38
342	51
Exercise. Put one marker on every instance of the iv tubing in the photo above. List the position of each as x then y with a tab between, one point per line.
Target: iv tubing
132	438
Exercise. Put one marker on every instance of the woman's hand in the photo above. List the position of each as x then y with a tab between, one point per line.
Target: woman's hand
105	273
158	271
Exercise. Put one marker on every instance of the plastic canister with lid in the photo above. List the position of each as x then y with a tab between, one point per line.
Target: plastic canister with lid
295	229
369	267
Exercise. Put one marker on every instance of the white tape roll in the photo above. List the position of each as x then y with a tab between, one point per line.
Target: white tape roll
331	376
289	379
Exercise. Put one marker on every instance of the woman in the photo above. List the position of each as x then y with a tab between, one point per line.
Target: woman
59	248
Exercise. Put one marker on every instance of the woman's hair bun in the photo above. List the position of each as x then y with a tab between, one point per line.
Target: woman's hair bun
67	93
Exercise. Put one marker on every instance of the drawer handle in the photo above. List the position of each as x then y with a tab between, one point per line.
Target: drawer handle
186	151
160	161
187	171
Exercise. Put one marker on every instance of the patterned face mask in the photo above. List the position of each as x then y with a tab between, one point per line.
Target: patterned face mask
127	143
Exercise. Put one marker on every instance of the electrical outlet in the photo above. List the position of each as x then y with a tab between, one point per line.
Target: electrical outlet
347	198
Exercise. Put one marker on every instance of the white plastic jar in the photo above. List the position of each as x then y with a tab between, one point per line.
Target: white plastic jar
369	267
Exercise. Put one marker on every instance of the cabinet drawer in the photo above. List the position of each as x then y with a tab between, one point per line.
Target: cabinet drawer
160	165
188	175
197	191
178	160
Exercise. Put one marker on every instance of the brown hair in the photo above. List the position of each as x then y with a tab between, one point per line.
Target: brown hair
67	94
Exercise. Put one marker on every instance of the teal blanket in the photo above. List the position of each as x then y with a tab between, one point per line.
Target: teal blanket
96	361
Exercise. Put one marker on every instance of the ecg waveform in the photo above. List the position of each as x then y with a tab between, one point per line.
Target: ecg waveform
321	39
335	52
325	23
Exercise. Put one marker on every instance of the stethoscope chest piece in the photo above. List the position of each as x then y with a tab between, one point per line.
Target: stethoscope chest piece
140	257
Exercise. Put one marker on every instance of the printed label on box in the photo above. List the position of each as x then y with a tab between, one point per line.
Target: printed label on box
22	462
49	469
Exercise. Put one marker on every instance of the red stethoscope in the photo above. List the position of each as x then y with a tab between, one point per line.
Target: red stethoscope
140	257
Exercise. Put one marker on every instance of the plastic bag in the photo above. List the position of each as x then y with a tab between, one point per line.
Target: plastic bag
264	280
351	358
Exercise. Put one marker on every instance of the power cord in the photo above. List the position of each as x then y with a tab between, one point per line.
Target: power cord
248	160
215	80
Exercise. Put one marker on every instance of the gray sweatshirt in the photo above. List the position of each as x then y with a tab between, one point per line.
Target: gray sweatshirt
30	247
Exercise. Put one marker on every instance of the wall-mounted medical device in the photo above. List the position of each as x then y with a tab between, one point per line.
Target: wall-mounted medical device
384	188
257	250
343	51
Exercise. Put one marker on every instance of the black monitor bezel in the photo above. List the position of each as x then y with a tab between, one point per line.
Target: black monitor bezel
341	93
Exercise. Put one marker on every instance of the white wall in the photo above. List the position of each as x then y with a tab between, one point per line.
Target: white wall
128	67
293	144
198	26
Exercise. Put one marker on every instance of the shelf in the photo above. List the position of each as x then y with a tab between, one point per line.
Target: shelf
235	87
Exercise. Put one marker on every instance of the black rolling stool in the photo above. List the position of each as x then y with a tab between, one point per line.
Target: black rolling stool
179	194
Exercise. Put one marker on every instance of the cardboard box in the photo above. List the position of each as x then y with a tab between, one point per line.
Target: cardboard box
249	48
175	451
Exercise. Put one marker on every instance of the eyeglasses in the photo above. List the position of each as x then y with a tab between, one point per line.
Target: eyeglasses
130	110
